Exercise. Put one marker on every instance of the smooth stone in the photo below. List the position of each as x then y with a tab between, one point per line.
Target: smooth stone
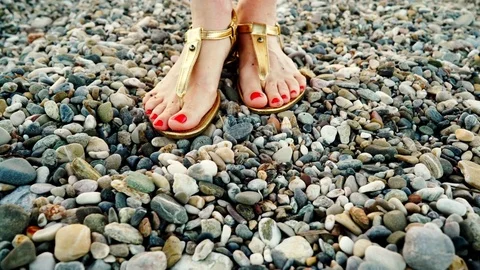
99	250
72	242
269	232
83	170
390	260
185	184
241	131
213	261
20	196
75	265
124	233
173	249
212	227
395	220
296	248
202	250
105	112
346	245
248	197
21	255
328	133
44	261
17	172
168	209
360	247
283	155
203	171
140	182
470	230
371	187
88	198
69	152
47	233
423	244
4	136
448	207
345	220
433	164
422	171
471	172
152	260
13	221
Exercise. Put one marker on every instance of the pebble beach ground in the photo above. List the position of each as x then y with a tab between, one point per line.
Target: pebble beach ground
377	168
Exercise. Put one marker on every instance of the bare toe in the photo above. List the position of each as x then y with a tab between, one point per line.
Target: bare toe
302	81
294	87
283	91
152	104
274	98
161	121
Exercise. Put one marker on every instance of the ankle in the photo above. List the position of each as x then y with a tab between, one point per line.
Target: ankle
211	14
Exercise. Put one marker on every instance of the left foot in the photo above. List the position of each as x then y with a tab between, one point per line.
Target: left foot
283	82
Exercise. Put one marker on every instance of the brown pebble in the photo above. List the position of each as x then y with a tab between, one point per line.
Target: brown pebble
34	36
412	208
274	121
414	198
359	217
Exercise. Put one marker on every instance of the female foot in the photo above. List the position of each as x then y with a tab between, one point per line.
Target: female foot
162	105
283	82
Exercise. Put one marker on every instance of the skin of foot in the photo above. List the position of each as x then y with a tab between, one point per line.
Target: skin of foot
162	104
283	82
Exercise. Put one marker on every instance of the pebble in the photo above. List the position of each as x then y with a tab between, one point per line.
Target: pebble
17	172
123	233
13	220
213	261
418	251
151	260
72	242
384	257
295	247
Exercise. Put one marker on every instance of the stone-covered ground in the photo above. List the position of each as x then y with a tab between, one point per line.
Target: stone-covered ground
377	168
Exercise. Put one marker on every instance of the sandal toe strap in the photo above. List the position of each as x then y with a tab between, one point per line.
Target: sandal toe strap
259	33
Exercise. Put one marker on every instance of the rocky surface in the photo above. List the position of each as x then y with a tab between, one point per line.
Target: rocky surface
378	167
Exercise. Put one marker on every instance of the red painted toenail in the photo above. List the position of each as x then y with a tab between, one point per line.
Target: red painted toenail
148	112
182	118
255	95
275	100
293	92
158	123
154	116
302	87
284	97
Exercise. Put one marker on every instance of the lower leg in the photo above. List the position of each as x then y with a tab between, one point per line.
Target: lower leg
260	11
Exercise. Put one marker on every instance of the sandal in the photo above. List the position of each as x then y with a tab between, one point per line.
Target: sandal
259	33
193	41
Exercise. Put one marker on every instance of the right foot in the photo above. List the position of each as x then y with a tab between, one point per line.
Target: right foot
162	105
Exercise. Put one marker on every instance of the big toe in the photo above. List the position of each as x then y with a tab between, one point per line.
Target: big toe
184	120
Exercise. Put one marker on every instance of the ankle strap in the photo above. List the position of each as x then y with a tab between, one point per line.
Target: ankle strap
258	28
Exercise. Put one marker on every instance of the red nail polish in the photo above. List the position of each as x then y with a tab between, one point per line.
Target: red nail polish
284	97
182	118
153	116
293	92
158	123
148	112
275	100
255	95
302	87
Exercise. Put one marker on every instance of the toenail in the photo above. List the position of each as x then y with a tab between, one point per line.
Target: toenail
154	116
255	95
275	100
302	87
293	92
158	123
284	97
148	112
182	118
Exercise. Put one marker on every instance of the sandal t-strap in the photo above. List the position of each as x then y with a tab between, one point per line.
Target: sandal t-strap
193	43
260	33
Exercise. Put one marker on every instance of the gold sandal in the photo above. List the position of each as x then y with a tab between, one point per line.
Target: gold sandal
259	33
193	41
